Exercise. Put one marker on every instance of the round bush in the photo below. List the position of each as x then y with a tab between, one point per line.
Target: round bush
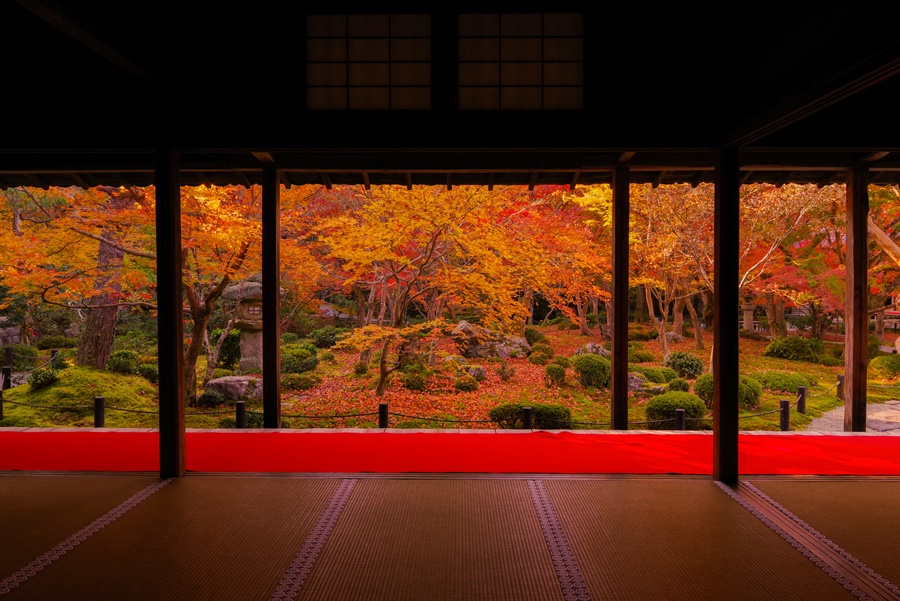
465	383
653	374
221	372
289	338
210	398
326	337
58	362
123	362
554	375
150	373
297	361
230	353
413	380
42	378
663	407
56	342
303	381
561	361
749	391
532	334
593	370
796	348
780	381
685	364
550	416
885	367
328	357
639	356
360	368
541	354
680	385
828	361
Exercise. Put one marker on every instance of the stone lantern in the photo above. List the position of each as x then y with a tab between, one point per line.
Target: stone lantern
748	308
248	295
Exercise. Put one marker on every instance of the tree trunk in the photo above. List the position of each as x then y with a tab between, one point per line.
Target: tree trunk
695	320
707	308
99	332
659	324
581	308
879	324
212	354
383	371
780	327
528	301
678	318
640	306
609	319
770	312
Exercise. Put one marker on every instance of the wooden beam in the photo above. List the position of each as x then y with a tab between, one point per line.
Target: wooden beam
619	383
79	181
271	301
243	178
170	326
856	309
408	180
285	179
264	157
658	178
574	181
52	16
626	156
532	180
326	180
490	184
726	305
366	183
449	181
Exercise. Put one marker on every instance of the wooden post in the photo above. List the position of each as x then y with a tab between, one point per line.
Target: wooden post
726	303
240	415
7	377
169	319
619	358
840	387
857	303
1	404
679	419
9	356
382	415
271	301
527	418
785	415
99	412
801	400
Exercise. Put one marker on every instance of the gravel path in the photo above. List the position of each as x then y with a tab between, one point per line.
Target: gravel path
880	417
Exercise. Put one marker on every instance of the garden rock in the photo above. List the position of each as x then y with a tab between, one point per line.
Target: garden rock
674	337
594	348
234	388
636	381
477	342
476	371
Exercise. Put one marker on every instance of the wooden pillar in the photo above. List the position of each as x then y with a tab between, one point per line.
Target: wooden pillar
169	319
619	383
856	320
271	301
726	303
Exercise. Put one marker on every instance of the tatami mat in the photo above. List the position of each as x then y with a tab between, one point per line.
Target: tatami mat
679	539
419	540
199	538
860	515
37	512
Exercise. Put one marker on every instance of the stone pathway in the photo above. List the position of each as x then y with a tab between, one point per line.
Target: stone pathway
880	417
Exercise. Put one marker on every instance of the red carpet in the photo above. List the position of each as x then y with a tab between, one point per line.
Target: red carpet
398	452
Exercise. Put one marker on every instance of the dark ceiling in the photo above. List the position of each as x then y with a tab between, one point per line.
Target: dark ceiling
803	89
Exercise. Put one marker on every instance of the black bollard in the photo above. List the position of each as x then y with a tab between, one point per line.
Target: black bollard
1	404
7	377
679	419
382	415
785	415
99	412
527	418
9	356
840	387
801	399
53	353
240	414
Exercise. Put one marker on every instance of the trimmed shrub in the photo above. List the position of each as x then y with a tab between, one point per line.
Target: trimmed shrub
680	385
780	381
465	383
210	398
42	378
303	381
749	391
230	353
59	363
663	407
751	335
873	347
326	337
298	360
540	354
150	373
532	335
554	375
328	357
668	373
795	348
413	380
563	362
885	367
24	357
639	356
653	374
829	361
685	364
360	368
289	338
638	332
549	416
56	342
123	362
593	370
703	388
221	372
